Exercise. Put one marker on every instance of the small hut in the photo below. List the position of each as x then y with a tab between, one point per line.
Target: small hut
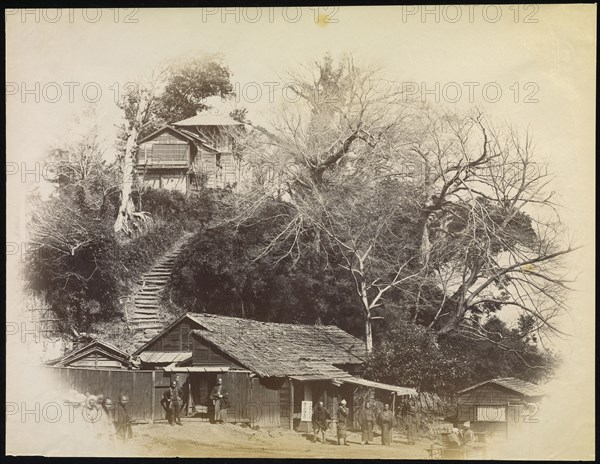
499	407
94	355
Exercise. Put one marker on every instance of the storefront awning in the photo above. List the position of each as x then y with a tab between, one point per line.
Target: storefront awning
191	369
338	381
165	357
401	391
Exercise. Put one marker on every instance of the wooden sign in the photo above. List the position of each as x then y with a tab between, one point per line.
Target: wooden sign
306	415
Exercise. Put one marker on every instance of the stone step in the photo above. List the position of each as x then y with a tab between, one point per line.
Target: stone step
145	317
147	298
149	325
145	312
148	306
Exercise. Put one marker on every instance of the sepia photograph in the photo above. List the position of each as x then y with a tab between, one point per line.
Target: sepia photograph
342	232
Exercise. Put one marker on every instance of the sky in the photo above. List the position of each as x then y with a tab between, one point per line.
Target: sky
532	66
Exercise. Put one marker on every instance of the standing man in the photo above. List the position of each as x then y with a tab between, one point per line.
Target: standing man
342	423
411	422
319	421
366	418
107	431
219	398
386	421
125	418
173	397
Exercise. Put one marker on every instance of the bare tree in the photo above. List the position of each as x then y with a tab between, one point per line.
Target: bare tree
490	232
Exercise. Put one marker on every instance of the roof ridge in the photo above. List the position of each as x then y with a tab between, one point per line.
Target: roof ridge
263	322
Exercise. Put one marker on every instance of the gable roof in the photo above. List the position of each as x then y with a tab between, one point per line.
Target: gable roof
208	119
511	383
187	136
94	346
276	349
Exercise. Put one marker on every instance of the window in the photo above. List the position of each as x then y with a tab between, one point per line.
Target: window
168	153
491	413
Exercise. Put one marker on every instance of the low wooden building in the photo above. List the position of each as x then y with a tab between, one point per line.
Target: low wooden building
499	407
271	371
190	154
94	355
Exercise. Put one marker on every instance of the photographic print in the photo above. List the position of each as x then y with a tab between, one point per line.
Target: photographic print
346	232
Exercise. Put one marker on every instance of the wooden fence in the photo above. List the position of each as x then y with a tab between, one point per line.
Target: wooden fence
137	385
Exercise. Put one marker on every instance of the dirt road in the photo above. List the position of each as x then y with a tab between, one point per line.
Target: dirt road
201	439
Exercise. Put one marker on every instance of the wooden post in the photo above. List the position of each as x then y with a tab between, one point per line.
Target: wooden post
153	394
506	417
291	404
394	403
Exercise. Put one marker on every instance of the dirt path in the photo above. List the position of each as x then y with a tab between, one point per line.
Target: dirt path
201	439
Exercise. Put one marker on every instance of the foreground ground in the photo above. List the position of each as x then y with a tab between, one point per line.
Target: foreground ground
202	439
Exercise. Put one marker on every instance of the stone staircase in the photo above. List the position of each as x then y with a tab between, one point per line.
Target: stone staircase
147	319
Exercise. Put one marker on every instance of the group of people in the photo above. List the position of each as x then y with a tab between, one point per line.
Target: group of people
101	418
464	437
172	401
367	418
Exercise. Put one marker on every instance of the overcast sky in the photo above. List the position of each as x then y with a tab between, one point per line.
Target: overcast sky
540	59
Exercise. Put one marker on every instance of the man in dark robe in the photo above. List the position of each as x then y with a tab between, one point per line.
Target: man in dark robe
366	418
342	423
386	421
124	419
219	398
319	421
173	399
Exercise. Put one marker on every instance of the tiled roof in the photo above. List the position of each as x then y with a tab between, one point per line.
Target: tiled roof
517	385
275	349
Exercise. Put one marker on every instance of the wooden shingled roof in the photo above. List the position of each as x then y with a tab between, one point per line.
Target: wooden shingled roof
95	346
274	350
511	383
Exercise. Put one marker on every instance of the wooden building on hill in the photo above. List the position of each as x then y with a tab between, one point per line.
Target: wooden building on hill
499	407
190	154
94	355
271	371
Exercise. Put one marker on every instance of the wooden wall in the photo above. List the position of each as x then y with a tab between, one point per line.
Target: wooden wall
98	361
138	385
178	338
204	354
218	170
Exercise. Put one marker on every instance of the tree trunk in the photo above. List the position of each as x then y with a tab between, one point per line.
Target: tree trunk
368	333
127	214
127	207
367	311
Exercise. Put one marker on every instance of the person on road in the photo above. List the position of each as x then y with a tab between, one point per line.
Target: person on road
386	421
173	399
320	420
366	418
125	419
342	423
219	398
